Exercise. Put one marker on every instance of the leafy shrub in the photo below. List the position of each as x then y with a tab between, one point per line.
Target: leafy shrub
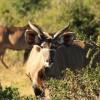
83	20
81	85
12	93
9	93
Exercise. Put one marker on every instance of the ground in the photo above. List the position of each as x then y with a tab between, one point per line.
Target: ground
15	75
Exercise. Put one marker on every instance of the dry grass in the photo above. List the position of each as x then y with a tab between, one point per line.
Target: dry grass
15	75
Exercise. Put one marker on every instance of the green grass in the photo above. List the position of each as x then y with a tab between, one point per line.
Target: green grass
83	85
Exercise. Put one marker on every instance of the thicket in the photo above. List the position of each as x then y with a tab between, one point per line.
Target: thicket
77	86
84	84
83	17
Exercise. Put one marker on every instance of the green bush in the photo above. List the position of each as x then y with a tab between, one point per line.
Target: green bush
83	16
83	20
12	93
9	93
81	85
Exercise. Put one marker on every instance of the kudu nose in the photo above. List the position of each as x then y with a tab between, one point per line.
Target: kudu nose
38	92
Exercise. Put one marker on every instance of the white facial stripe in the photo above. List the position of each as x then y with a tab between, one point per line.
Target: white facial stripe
45	56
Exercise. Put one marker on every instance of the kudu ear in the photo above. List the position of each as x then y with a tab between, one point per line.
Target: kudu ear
68	38
32	32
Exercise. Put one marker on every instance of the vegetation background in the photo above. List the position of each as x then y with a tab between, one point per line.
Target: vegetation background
83	16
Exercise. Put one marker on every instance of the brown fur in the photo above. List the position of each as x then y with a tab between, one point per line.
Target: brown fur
14	38
73	56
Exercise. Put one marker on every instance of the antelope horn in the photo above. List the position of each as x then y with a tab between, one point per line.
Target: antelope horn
61	31
47	35
36	28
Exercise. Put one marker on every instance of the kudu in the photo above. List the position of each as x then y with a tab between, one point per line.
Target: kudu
44	54
58	52
16	38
